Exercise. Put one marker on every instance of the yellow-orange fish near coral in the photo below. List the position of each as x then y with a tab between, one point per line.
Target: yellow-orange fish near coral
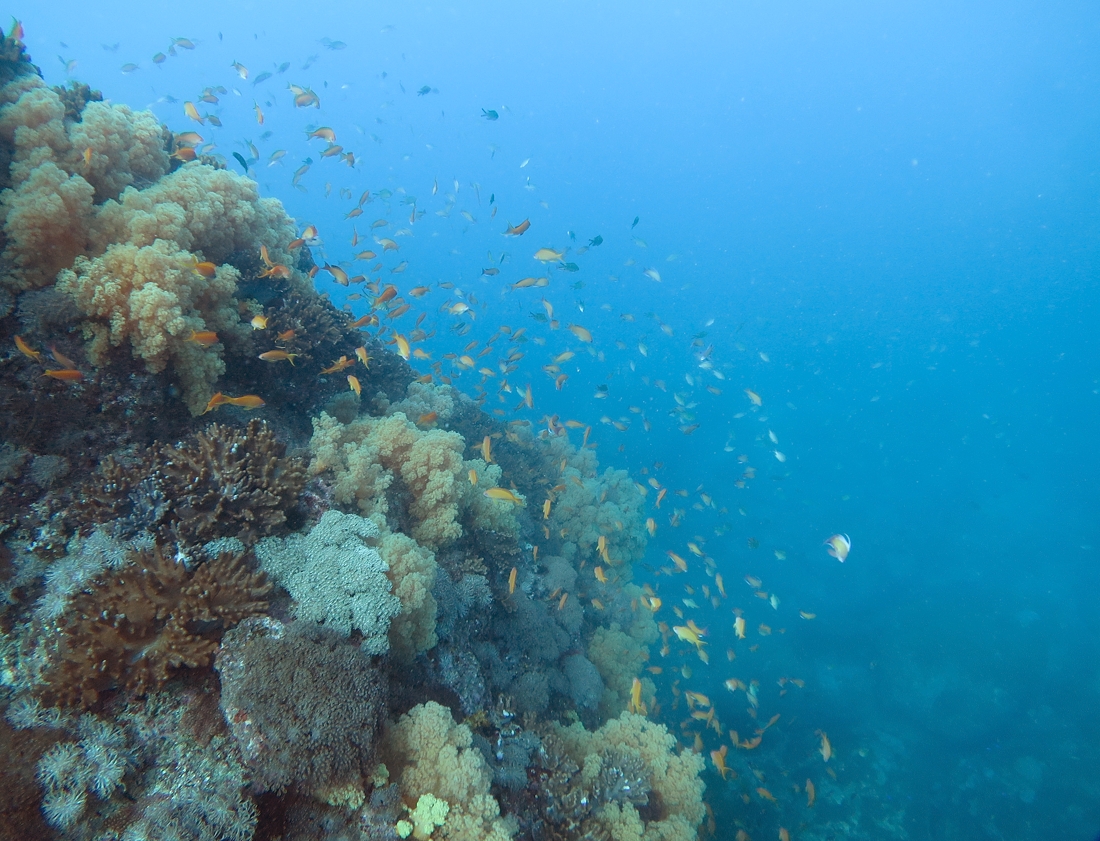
503	495
27	350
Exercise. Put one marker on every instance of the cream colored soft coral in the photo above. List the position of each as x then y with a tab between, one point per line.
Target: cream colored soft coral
47	222
124	147
212	212
150	297
412	571
673	776
594	505
367	455
430	754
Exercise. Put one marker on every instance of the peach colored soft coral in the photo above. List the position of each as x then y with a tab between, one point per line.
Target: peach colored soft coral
150	297
127	147
47	223
212	212
429	754
674	776
369	453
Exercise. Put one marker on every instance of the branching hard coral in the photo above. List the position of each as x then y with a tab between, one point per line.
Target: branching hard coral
430	754
229	483
302	704
133	628
336	578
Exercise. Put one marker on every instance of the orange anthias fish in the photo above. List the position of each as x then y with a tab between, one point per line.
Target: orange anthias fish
64	374
718	757
636	705
205	268
27	350
518	230
353	383
839	546
811	794
279	356
512	581
206	338
504	495
246	401
339	365
826	748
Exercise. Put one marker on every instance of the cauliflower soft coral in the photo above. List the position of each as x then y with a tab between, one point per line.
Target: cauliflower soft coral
430	754
673	776
150	297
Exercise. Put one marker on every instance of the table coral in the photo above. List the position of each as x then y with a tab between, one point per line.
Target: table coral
133	628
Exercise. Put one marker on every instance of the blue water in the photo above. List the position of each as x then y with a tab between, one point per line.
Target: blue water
896	204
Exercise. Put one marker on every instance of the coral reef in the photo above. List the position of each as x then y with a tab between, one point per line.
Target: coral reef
302	705
408	598
336	578
224	482
429	754
132	629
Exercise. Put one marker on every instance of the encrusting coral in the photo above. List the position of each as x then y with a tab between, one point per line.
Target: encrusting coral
301	703
133	628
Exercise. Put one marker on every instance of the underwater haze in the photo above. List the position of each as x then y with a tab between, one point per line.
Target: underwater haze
824	269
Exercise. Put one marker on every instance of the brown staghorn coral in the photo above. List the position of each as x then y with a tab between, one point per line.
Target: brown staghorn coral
133	628
229	483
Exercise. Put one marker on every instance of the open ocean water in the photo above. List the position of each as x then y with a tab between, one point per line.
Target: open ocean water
838	261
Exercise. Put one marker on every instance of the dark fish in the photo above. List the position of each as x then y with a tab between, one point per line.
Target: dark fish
539	317
333	45
492	197
285	66
637	219
596	240
571	267
263	77
241	161
489	115
424	91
